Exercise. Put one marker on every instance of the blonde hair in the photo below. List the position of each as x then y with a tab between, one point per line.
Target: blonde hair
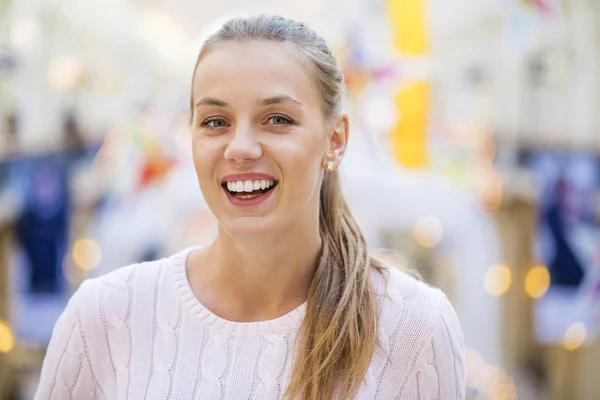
339	332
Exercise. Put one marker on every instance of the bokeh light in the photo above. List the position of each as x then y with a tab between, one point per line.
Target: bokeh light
65	73
537	282
575	336
428	232
497	280
86	254
7	340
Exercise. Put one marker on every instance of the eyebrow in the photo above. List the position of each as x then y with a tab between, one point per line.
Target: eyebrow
211	101
277	100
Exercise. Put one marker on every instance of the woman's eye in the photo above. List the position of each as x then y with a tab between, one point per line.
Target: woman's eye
215	123
279	120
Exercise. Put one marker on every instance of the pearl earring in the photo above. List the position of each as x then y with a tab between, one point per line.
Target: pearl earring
330	166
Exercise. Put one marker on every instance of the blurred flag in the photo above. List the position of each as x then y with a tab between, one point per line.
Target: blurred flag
543	6
410	40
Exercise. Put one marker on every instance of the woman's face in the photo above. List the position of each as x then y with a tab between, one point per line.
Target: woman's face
260	139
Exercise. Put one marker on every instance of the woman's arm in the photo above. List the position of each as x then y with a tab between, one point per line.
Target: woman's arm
66	372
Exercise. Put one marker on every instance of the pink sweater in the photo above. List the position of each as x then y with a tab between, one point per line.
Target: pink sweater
140	333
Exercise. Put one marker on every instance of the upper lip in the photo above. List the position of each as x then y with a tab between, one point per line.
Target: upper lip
248	176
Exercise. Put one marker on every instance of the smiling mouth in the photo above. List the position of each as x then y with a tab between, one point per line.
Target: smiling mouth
246	190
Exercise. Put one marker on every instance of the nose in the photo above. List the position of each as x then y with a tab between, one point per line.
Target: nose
243	147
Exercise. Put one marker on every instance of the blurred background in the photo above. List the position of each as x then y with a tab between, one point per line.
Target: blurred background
475	152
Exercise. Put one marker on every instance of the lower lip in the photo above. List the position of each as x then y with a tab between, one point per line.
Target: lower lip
236	201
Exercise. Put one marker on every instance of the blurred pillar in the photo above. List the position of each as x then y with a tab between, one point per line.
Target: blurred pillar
516	222
5	368
564	374
410	40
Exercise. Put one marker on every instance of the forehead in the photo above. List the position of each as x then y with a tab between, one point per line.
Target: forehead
254	70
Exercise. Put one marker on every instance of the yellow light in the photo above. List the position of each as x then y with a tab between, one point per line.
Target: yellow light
497	280
575	336
537	282
428	232
7	341
86	254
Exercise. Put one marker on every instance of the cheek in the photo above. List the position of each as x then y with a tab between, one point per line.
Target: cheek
302	151
300	162
205	154
300	167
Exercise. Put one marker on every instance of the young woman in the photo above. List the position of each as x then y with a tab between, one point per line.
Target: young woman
285	302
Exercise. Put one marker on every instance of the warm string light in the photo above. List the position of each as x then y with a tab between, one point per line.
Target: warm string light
7	340
64	73
86	254
428	232
575	336
497	280
537	282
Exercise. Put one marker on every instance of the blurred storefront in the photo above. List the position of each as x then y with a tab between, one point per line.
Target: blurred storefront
475	152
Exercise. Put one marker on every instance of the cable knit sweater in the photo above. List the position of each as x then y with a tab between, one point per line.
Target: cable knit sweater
140	333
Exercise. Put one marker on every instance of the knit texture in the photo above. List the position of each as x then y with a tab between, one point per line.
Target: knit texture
140	333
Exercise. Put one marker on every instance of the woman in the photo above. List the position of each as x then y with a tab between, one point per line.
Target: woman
285	302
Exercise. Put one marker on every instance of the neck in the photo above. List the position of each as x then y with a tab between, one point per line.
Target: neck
253	280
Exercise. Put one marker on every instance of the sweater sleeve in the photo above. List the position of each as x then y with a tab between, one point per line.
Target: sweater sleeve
440	370
66	371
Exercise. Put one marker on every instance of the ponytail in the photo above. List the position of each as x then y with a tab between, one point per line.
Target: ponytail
339	333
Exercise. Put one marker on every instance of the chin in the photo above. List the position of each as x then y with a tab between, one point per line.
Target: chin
251	228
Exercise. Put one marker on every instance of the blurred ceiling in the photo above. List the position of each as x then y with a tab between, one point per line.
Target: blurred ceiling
534	78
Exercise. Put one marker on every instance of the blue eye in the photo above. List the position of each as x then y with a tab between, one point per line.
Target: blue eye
279	120
215	123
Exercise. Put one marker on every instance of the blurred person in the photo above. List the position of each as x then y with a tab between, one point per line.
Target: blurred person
285	302
561	216
12	140
73	137
42	228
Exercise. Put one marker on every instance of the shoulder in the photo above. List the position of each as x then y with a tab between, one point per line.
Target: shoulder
109	298
405	299
419	332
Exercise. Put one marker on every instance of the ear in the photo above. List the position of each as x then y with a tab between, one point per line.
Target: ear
338	140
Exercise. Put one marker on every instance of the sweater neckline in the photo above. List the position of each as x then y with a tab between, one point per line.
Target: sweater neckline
287	321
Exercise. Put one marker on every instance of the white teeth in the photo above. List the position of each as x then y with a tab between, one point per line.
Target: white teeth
249	186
